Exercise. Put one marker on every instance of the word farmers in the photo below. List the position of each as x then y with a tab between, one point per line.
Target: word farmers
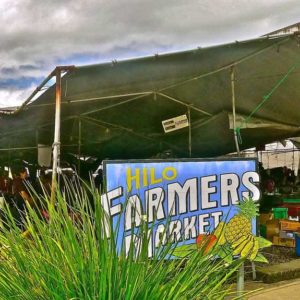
175	199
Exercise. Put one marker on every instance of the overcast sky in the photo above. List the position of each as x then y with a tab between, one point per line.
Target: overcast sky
37	35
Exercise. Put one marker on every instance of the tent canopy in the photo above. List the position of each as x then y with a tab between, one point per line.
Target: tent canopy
115	110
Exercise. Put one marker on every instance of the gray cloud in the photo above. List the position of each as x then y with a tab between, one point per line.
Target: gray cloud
37	35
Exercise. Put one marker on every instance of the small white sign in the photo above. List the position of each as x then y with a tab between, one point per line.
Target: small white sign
175	123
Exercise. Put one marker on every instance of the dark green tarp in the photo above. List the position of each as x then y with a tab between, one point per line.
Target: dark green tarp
121	104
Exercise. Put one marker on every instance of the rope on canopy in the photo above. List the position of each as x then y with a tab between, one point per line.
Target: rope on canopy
184	103
265	98
116	104
224	67
31	147
74	101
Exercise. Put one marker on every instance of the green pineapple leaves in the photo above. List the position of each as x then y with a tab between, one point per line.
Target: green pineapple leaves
248	208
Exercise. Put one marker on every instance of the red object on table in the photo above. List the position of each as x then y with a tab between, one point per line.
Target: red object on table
293	209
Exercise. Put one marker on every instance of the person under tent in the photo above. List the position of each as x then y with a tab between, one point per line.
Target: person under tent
20	195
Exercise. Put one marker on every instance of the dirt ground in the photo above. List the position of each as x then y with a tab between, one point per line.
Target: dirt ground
278	254
275	255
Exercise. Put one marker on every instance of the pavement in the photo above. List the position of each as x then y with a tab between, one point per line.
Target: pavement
289	290
274	282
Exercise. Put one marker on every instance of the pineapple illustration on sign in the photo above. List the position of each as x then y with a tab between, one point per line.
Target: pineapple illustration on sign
241	224
231	238
238	231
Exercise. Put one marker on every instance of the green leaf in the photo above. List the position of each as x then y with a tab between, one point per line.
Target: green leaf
226	254
184	250
263	243
261	258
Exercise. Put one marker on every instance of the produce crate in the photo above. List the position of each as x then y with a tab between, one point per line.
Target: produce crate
280	213
264	217
289	200
286	234
289	225
283	242
272	229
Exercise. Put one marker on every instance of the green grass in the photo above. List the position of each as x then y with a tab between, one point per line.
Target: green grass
74	259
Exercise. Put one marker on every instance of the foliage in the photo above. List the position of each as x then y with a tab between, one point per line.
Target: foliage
242	242
70	256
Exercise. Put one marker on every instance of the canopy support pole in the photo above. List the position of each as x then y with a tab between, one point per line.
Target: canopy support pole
56	144
240	281
79	146
9	153
37	144
241	271
232	73
37	136
184	103
117	104
190	132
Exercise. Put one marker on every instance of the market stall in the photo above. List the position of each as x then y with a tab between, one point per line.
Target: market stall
115	110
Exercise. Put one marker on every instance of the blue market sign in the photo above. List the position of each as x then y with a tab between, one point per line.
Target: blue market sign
190	197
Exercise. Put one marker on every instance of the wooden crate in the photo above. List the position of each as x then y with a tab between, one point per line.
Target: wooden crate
289	225
283	242
272	229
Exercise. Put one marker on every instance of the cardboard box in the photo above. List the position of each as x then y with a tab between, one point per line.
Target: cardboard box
283	242
286	234
264	217
287	225
272	229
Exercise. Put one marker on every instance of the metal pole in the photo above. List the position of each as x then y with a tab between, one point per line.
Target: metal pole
79	146
232	71
38	89
241	272
190	132
37	145
9	153
240	281
56	144
184	103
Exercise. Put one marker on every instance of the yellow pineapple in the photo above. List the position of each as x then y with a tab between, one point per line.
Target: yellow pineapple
241	224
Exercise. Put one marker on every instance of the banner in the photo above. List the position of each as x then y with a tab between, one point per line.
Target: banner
190	197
